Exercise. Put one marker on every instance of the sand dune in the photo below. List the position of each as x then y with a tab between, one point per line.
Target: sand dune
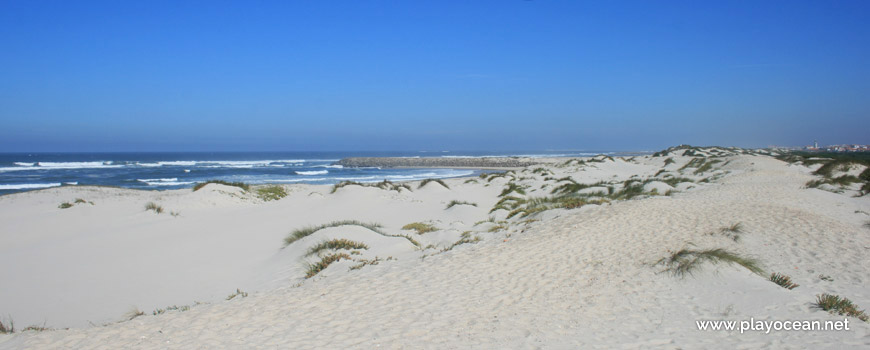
554	278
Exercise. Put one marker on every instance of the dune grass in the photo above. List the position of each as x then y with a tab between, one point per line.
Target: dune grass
456	202
733	232
420	227
314	269
237	293
7	329
783	281
512	187
669	161
133	313
438	181
706	166
65	205
306	231
336	244
241	185
687	262
842	306
271	193
343	184
153	206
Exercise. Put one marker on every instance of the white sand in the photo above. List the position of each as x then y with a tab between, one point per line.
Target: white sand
575	278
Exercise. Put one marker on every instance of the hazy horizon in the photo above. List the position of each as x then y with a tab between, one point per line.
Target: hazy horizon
495	75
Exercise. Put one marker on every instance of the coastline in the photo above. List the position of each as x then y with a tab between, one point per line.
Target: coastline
484	276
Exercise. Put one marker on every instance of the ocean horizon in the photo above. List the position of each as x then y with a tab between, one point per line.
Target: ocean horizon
173	170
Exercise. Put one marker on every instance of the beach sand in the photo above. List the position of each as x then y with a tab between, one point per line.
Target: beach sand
558	278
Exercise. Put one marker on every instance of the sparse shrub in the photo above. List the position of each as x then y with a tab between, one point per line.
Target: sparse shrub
420	227
336	244
471	181
79	200
65	205
305	231
237	293
271	193
686	261
783	281
837	305
314	269
241	185
153	206
438	181
343	184
175	214
669	161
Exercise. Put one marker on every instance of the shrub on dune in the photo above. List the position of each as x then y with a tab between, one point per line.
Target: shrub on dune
241	185
153	206
336	244
271	193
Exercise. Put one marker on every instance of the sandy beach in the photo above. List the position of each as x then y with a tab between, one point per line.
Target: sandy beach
562	254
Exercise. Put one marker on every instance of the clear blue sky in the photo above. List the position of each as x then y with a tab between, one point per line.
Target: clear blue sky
415	75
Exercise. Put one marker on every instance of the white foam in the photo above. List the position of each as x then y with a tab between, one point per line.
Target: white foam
28	186
315	172
329	166
76	165
71	183
173	179
25	164
169	183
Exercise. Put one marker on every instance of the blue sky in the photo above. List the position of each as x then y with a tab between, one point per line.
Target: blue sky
418	75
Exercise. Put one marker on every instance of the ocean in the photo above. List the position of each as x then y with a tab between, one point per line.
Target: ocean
162	171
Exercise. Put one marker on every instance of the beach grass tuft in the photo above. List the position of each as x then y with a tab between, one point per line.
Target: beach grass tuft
306	231
438	181
271	193
241	185
420	227
65	205
686	261
456	202
314	269
336	244
733	232
512	187
4	329
837	305
153	206
133	313
783	281
237	293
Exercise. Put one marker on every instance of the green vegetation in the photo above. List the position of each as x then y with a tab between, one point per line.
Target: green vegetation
79	201
836	305
832	162
456	202
65	205
133	313
733	232
182	308
783	281
438	181
686	261
512	187
336	244
306	231
343	184
471	181
384	185
706	166
241	185
314	269
669	161
237	293
420	227
153	206
466	238
271	193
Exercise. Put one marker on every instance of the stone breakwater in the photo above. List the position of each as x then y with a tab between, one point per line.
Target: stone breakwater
395	162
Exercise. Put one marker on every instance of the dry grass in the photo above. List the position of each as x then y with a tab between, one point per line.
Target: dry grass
314	269
783	281
4	329
420	227
153	206
841	306
237	293
133	313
